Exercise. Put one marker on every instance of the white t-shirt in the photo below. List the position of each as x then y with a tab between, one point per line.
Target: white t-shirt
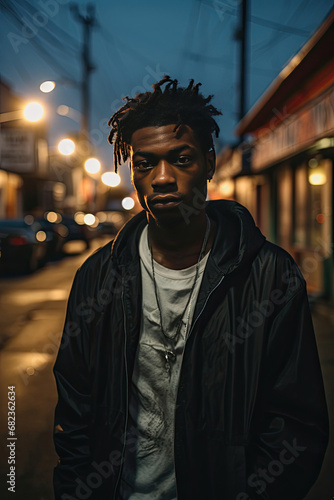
149	458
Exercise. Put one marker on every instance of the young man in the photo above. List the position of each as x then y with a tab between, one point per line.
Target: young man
188	366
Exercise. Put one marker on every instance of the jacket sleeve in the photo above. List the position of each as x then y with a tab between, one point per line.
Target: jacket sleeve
73	411
291	420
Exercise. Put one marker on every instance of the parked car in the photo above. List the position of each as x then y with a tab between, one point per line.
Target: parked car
22	246
110	222
56	234
78	232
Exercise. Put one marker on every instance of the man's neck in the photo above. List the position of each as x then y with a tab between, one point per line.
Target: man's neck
178	246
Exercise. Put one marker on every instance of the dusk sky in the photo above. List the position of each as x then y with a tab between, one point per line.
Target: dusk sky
135	42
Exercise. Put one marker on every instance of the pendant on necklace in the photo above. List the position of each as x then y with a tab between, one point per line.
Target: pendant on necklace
169	356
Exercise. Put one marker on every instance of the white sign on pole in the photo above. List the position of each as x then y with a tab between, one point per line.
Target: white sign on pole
17	150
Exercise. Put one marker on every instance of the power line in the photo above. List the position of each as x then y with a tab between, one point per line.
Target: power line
195	56
192	23
279	27
38	44
279	36
87	21
127	48
44	53
258	20
50	32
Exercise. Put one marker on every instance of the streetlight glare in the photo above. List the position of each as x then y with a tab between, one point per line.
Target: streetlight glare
40	236
317	178
79	218
128	203
89	219
66	147
33	111
92	166
53	217
47	86
111	179
63	110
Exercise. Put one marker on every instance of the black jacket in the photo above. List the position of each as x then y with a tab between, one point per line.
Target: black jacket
250	420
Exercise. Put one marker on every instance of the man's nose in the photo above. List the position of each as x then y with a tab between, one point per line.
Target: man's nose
163	175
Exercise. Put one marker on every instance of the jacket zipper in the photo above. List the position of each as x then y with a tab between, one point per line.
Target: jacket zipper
200	313
126	376
127	397
206	301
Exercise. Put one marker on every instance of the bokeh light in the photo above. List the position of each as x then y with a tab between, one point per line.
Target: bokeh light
47	86
79	218
128	203
53	217
33	111
29	219
92	166
66	147
111	179
89	219
317	177
40	236
63	110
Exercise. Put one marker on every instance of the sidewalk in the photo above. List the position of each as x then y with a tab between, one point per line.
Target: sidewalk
323	320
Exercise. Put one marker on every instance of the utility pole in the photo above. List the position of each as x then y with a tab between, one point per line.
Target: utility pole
88	22
243	61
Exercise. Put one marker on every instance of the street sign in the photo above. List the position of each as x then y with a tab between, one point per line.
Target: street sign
17	150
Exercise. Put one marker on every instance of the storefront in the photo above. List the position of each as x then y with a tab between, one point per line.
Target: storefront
292	137
24	159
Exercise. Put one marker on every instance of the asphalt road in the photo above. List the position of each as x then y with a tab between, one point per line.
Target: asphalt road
32	311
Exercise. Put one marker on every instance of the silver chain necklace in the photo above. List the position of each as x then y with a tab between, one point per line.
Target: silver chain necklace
170	354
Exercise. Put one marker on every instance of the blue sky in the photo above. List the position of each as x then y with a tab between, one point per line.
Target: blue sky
134	43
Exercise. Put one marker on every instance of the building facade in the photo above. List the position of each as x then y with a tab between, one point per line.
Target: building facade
24	160
289	185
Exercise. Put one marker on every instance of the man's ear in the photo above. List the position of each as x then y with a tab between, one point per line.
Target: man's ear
210	163
131	166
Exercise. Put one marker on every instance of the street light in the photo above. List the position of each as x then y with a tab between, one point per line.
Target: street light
47	86
92	166
32	112
317	174
128	203
66	147
73	114
89	219
111	179
317	177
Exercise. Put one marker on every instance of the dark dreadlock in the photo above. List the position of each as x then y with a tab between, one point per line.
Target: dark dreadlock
163	107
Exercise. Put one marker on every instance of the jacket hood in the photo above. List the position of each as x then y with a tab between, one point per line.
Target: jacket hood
237	241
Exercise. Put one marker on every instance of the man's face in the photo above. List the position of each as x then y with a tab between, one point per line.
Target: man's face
169	171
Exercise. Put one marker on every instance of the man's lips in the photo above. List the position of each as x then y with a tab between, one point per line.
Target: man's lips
164	200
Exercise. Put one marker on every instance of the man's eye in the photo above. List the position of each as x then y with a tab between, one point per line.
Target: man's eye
142	165
184	160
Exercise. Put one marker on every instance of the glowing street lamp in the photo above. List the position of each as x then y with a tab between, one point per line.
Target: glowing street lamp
89	219
47	86
66	147
92	166
73	114
317	174
111	179
317	177
128	203
33	112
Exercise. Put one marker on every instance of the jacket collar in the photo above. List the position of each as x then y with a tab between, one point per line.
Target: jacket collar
237	241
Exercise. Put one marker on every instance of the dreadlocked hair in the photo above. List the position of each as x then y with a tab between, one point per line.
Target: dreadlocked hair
173	104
